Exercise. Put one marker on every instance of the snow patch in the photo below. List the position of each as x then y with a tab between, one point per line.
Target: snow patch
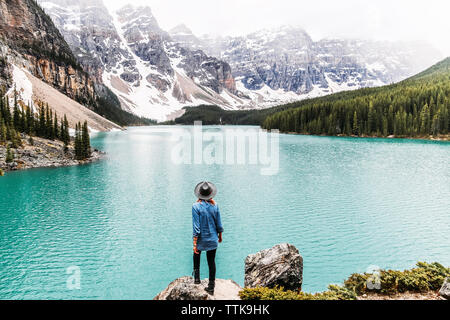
23	87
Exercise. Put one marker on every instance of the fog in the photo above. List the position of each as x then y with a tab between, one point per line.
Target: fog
393	20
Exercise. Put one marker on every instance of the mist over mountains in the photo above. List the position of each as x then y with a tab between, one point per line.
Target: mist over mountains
155	73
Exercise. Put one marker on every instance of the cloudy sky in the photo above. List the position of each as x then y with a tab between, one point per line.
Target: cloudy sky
381	19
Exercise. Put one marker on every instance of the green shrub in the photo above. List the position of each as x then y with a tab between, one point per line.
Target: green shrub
278	293
262	293
425	277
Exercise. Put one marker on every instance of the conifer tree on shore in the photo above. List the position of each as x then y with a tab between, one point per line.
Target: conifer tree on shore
86	143
82	141
20	119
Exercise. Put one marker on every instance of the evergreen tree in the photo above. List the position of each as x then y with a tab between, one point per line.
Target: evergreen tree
9	155
42	124
55	133
85	140
78	143
2	131
30	121
65	134
355	124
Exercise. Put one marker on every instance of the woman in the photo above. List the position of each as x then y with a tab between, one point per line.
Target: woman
207	230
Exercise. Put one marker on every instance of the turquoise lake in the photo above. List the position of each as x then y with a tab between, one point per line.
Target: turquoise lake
345	203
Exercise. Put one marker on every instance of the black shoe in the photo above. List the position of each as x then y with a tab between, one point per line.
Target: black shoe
210	287
196	276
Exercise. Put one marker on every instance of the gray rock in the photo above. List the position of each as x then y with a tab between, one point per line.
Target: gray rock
281	265
185	289
130	76
159	82
445	290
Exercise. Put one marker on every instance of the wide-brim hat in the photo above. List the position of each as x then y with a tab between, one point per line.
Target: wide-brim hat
205	190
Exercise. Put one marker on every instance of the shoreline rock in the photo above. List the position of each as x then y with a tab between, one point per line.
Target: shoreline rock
184	289
441	138
445	289
281	266
43	153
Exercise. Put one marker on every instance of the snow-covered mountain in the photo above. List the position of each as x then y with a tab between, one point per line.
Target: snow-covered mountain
152	75
287	58
155	73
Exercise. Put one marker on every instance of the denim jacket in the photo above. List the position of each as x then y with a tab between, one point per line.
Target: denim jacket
206	225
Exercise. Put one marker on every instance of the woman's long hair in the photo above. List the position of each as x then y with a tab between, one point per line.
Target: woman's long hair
211	201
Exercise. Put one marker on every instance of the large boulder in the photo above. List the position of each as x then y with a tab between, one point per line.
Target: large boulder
281	265
185	289
445	290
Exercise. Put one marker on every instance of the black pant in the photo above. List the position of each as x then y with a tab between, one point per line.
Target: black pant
211	256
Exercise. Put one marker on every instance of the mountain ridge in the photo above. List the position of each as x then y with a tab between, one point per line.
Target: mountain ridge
155	73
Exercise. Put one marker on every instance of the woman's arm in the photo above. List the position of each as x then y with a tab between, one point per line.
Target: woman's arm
195	228
195	246
219	224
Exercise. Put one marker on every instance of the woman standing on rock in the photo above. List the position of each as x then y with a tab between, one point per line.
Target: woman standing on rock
207	230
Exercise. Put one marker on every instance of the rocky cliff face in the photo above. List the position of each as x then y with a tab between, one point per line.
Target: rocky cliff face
152	74
32	41
5	71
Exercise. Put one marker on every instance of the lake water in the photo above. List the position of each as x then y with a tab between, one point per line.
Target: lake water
125	222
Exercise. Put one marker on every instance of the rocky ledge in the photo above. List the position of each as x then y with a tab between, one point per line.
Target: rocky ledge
281	265
185	289
43	153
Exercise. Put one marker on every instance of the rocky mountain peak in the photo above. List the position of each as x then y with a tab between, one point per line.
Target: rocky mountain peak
180	29
182	35
139	18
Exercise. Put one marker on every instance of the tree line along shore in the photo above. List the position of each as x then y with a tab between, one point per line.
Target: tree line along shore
418	107
20	126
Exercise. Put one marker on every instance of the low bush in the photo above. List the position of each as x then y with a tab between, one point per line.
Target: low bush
278	293
262	293
424	278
